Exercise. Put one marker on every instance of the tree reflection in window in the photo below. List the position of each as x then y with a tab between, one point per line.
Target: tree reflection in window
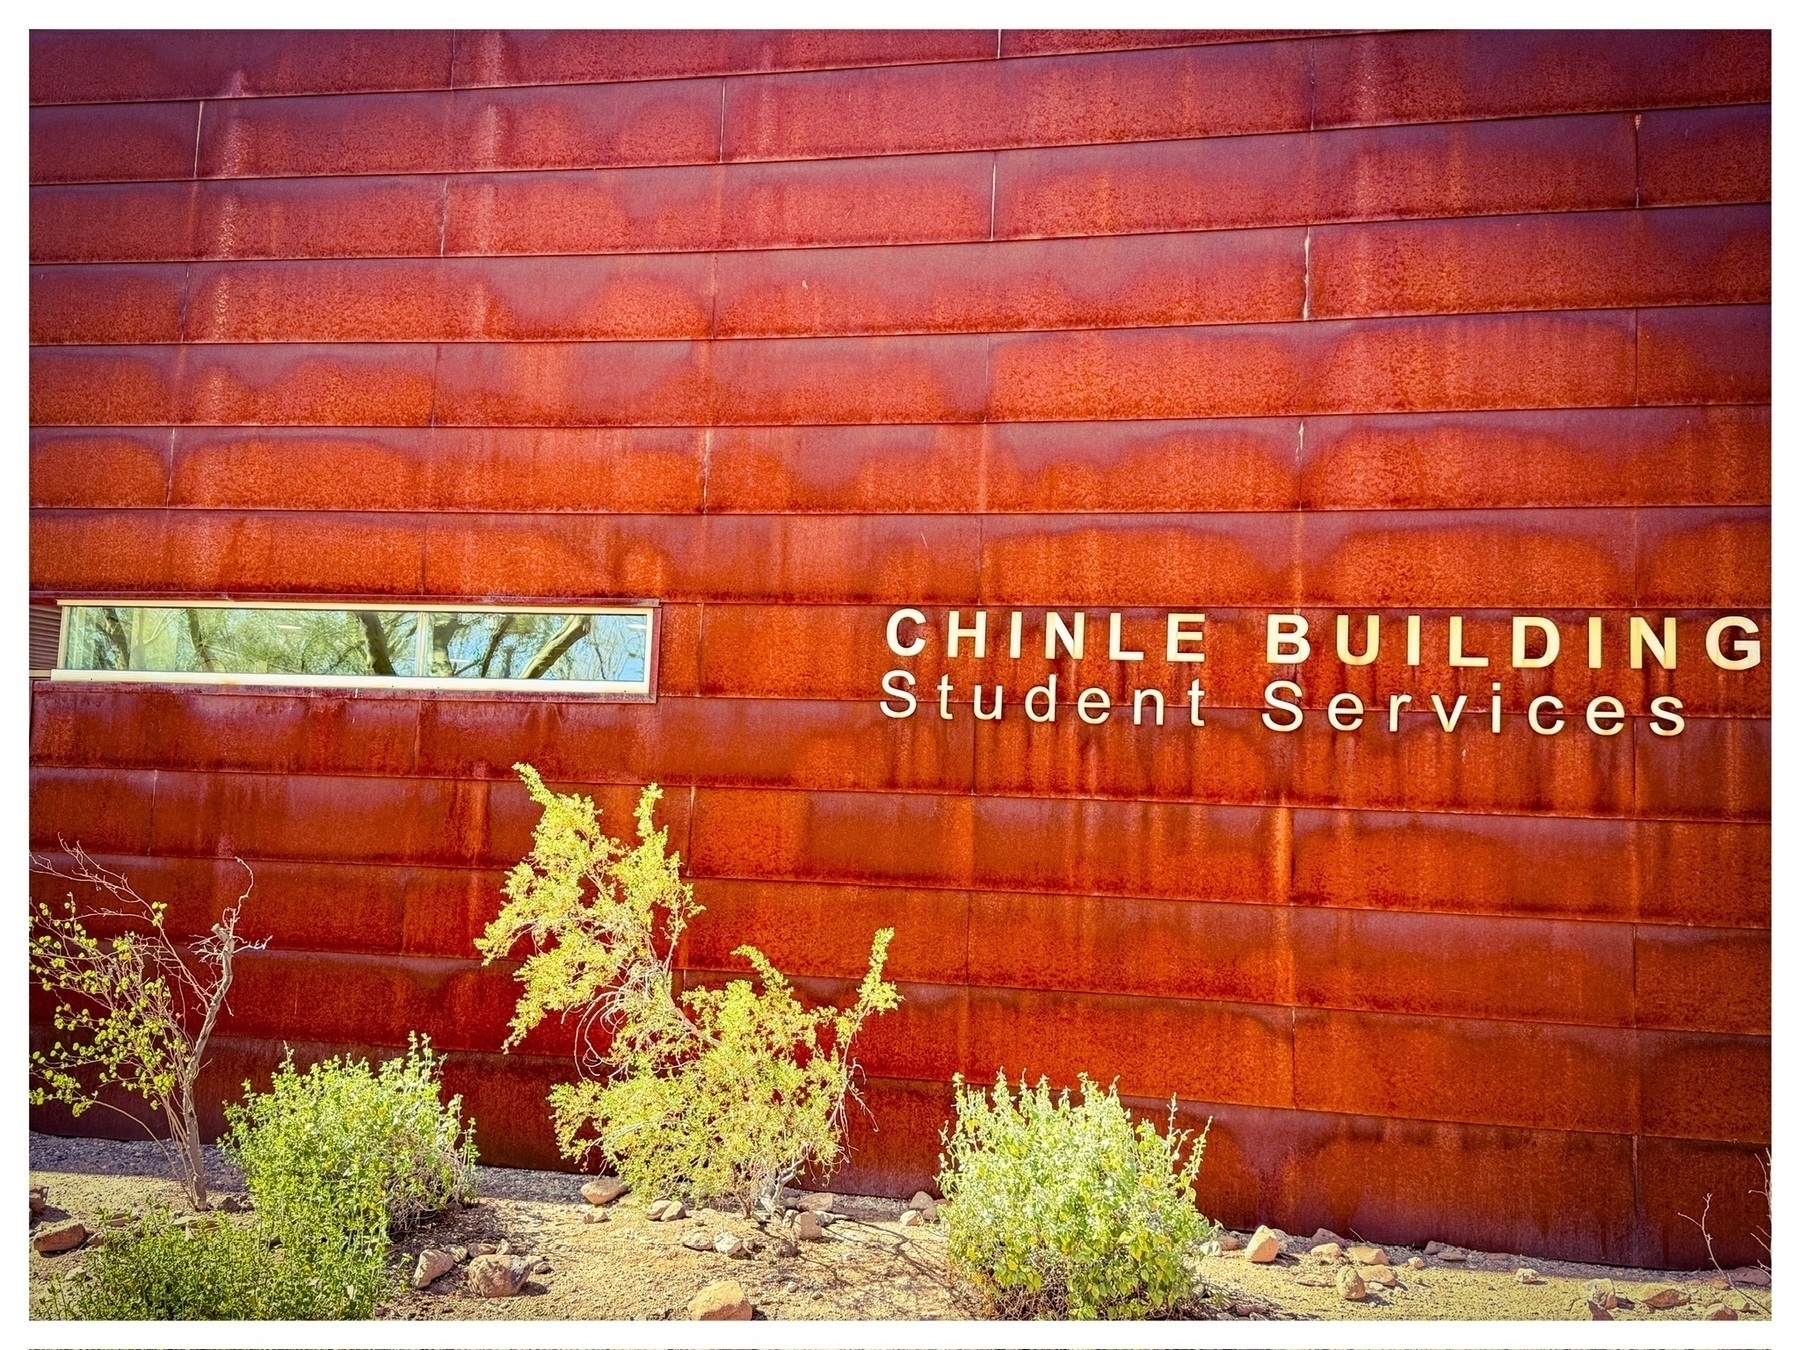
537	646
610	648
243	641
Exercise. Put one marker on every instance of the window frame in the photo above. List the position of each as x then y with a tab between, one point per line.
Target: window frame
614	691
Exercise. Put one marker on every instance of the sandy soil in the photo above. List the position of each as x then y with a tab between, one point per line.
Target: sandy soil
868	1266
1483	1285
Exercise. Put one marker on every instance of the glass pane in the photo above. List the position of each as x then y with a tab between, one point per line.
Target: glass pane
606	647
97	638
243	641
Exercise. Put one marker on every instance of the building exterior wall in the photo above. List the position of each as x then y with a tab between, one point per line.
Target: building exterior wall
786	331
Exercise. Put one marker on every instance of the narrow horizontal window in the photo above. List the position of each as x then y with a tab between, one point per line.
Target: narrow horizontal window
598	651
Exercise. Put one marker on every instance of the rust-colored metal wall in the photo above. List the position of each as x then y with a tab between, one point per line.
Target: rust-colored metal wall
787	330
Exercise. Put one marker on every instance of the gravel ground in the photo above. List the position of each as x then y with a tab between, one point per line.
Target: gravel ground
1481	1285
868	1266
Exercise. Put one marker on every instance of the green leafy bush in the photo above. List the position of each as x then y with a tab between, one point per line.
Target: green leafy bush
1055	1209
718	1094
347	1153
154	1269
756	1102
336	1159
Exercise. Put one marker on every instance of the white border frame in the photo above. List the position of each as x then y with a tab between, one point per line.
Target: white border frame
636	690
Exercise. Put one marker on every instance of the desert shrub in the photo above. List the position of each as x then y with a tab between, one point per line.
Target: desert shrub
717	1094
137	1007
1060	1209
756	1102
347	1153
155	1269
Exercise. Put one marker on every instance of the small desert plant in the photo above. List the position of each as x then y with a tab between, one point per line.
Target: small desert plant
718	1093
139	1006
1760	1233
155	1269
1054	1209
346	1153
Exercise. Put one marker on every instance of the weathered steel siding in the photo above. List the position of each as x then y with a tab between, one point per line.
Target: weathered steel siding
787	330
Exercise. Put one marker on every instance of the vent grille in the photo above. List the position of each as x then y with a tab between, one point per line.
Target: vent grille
46	636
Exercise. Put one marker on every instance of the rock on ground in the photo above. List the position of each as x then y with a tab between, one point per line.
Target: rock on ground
911	1219
1326	1251
1366	1256
64	1237
1229	1241
498	1276
433	1262
807	1225
819	1202
1381	1275
1667	1297
1601	1292
40	1199
1526	1275
1350	1285
730	1244
1263	1247
603	1190
724	1301
697	1241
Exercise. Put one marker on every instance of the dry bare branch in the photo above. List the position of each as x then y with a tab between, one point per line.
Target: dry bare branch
141	1006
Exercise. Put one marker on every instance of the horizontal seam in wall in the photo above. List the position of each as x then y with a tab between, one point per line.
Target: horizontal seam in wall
453	966
973	62
1260	326
1415	717
334	428
846	513
434	259
1193	518
1031	147
329	428
708	75
753	696
1158	1104
714	247
724	338
972	889
944	793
